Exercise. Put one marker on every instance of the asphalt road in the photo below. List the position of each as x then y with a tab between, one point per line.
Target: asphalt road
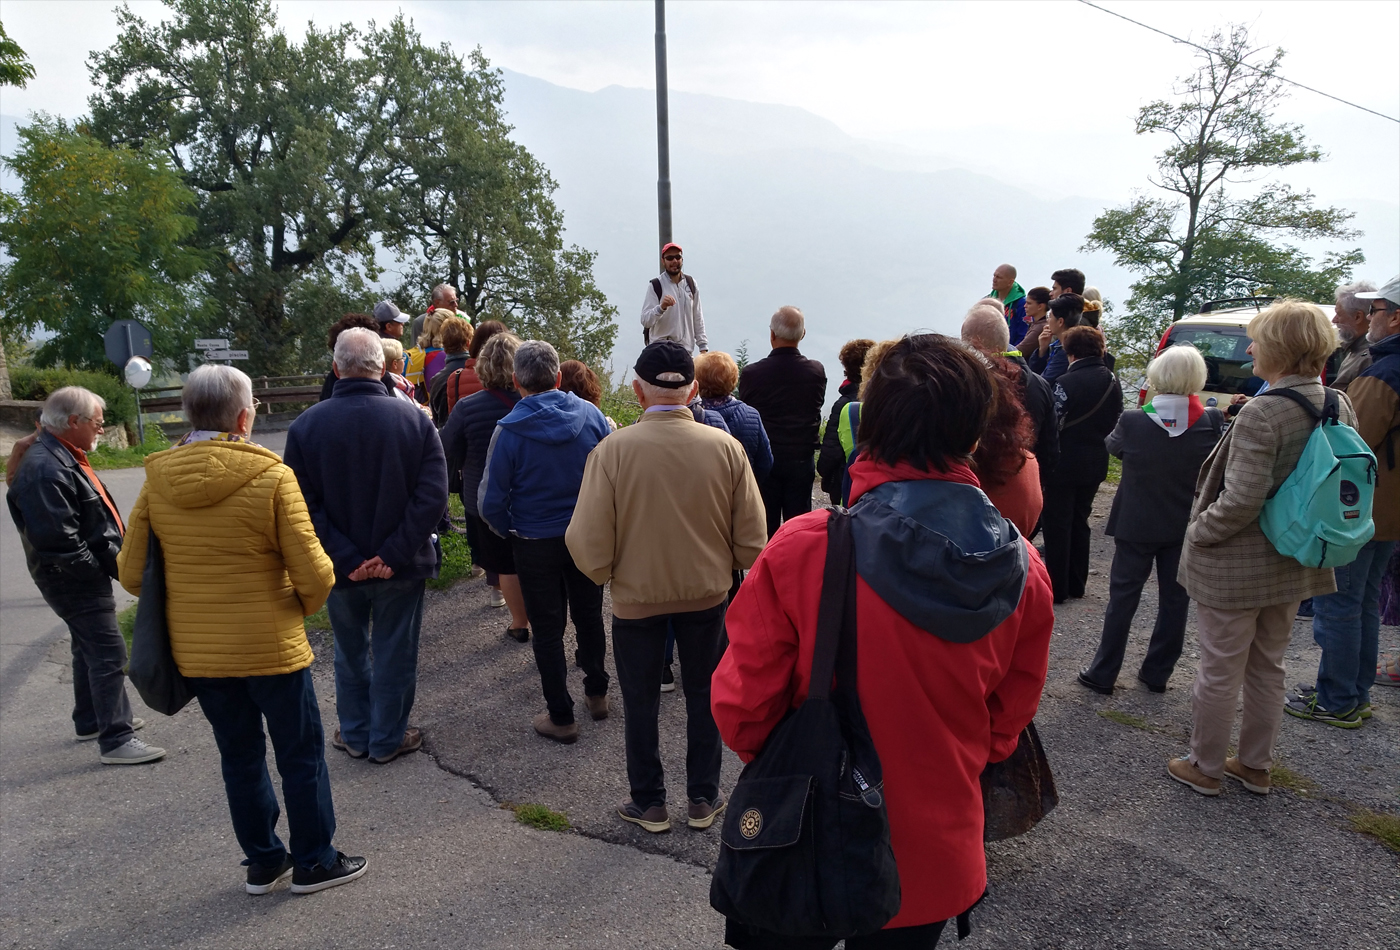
93	856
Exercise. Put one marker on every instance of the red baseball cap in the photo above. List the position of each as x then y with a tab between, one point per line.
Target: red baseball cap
669	247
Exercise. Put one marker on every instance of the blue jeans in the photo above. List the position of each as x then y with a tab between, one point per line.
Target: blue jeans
374	695
235	707
1347	626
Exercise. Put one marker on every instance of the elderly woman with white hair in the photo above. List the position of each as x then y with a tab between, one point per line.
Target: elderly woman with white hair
243	567
1162	446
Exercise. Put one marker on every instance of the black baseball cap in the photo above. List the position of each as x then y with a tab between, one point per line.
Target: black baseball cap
667	364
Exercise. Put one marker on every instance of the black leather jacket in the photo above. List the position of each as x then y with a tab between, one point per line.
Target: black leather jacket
68	533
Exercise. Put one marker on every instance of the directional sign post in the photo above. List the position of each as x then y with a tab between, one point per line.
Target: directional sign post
211	344
124	341
226	354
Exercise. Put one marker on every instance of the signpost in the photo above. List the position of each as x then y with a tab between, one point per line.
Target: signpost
226	354
129	345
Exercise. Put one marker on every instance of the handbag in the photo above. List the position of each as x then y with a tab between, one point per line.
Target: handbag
1019	790
152	669
805	849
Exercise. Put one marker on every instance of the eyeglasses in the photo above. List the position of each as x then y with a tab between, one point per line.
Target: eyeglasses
97	422
1379	308
257	404
671	257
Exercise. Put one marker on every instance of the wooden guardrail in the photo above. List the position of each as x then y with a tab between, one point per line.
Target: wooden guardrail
269	390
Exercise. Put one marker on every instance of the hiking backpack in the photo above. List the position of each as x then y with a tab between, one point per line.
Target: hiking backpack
656	288
1321	515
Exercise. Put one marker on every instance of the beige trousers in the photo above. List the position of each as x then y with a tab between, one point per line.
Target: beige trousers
1239	647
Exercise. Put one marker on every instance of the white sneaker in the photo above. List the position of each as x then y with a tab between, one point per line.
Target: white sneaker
136	723
497	598
478	571
132	752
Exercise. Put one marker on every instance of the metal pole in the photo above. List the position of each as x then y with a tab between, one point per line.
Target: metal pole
663	130
130	352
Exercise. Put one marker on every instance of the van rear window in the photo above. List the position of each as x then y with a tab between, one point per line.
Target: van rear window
1215	343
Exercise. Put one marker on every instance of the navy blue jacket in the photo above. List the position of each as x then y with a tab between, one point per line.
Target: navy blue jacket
534	466
467	436
374	477
746	426
1053	365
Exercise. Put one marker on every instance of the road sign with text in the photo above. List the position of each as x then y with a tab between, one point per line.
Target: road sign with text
226	354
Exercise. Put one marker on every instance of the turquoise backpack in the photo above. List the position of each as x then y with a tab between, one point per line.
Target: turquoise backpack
1321	515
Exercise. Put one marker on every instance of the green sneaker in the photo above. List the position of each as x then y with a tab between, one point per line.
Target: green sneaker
1364	710
1304	706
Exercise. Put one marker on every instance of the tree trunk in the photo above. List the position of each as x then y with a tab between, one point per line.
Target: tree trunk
5	391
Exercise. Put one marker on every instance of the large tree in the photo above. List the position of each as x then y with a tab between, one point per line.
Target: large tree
97	235
304	155
15	70
1224	227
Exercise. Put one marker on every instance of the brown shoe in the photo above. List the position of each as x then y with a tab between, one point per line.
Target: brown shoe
339	743
1256	780
653	819
1187	774
551	730
702	814
412	742
597	706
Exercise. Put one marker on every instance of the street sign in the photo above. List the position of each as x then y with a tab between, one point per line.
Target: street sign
125	339
211	344
226	354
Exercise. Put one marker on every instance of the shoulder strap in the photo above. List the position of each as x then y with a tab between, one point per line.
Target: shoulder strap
455	381
1330	404
836	602
502	397
690	282
1098	405
656	288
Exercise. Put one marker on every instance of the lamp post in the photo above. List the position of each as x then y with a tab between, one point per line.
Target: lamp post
663	130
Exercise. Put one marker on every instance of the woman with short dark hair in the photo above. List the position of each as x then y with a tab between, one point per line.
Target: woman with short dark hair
953	617
1088	402
831	461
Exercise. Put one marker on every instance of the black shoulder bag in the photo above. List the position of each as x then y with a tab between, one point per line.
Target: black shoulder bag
805	849
152	669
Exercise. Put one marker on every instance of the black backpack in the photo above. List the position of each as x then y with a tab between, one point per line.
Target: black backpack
656	288
805	850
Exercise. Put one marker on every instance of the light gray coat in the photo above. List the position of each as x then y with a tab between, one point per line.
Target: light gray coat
1227	562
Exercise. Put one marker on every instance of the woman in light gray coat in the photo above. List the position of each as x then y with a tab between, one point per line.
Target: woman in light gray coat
1246	593
1162	446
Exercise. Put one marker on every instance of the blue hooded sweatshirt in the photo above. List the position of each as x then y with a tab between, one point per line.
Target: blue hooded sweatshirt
534	467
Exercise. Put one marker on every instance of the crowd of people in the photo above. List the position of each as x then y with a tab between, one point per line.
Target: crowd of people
952	456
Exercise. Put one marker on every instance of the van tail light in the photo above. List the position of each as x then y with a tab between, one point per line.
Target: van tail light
1142	397
1162	345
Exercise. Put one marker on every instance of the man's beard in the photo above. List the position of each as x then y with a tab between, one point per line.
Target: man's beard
1378	329
1347	335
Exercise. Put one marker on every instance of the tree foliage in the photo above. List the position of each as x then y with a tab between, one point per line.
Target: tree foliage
15	68
1222	228
98	235
305	155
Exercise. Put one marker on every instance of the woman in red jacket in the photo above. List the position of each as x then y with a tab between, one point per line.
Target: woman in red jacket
954	616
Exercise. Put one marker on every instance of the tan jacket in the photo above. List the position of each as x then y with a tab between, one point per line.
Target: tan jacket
668	510
1226	562
1377	412
1356	357
243	565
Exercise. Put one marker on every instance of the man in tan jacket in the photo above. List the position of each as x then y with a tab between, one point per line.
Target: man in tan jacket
668	510
1347	624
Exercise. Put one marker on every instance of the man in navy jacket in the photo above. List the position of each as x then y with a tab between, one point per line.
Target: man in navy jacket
373	473
534	469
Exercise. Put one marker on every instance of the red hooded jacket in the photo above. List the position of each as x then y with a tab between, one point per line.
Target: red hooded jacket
947	681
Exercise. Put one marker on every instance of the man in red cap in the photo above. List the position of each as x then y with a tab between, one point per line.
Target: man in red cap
671	310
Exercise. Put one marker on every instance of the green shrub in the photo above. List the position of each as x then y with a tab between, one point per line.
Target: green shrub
104	457
27	382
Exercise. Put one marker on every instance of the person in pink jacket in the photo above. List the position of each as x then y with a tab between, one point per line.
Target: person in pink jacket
954	622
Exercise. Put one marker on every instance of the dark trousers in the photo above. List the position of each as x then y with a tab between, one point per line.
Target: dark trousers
1065	522
235	707
376	625
553	588
787	491
99	659
922	937
638	650
1132	565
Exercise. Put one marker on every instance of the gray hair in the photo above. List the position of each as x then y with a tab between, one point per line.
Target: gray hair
66	402
1180	370
536	366
667	395
1092	293
1346	296
443	293
788	324
358	352
496	361
214	395
985	328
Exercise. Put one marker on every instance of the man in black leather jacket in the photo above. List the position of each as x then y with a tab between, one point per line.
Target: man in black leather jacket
71	531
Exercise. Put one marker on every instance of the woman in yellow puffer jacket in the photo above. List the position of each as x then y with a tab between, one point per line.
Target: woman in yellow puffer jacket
242	568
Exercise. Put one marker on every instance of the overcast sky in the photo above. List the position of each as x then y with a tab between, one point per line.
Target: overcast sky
1040	94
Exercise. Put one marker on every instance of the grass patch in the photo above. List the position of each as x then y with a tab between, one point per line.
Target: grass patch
1115	469
538	816
1383	827
1127	719
1281	776
456	554
320	620
126	623
134	457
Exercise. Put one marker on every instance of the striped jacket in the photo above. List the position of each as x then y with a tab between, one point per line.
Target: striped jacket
1227	563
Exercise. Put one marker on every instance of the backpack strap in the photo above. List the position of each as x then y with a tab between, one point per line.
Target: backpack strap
690	282
505	400
455	383
837	602
656	288
1331	405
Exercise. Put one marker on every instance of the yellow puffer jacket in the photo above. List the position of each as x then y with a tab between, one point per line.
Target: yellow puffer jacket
242	563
